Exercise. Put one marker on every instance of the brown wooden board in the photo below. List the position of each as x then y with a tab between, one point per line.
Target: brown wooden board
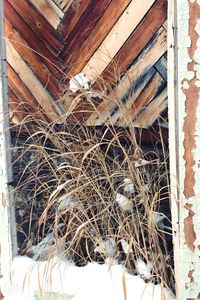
136	42
31	38
23	94
85	110
72	17
142	101
85	51
46	56
32	59
44	31
83	29
18	109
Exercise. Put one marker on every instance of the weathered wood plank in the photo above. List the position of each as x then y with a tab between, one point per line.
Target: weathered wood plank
152	111
134	107
149	56
33	84
161	67
81	56
146	60
32	59
17	108
83	28
50	11
28	102
116	38
34	43
44	31
136	42
111	108
65	4
72	17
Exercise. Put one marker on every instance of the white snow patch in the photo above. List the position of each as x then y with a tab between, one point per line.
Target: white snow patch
157	219
128	185
141	162
107	247
126	247
79	81
83	283
144	269
65	202
124	202
42	250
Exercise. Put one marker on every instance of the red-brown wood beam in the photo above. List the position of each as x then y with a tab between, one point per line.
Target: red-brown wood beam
24	95
71	18
41	27
81	56
83	29
31	38
32	59
136	42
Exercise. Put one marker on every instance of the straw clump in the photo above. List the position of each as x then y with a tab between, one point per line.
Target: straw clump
81	195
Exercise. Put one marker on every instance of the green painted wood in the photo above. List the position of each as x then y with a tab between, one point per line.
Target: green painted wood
51	296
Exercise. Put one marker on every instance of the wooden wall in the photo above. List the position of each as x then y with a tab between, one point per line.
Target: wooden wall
120	45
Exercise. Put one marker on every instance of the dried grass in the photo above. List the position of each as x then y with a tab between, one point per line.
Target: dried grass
66	181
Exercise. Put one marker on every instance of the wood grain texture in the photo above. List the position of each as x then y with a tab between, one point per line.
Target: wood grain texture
83	28
50	11
72	17
153	110
44	31
85	51
134	107
32	59
65	4
21	94
134	13
146	60
44	57
33	84
31	38
136	42
112	109
19	110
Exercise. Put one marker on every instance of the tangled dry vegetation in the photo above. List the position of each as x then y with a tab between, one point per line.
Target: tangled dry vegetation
81	195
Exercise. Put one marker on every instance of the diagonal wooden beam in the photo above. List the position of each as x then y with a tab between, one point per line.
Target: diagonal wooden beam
33	84
83	28
136	42
147	59
129	20
39	25
65	4
112	106
149	115
34	42
134	107
83	53
17	107
22	95
50	11
32	59
72	17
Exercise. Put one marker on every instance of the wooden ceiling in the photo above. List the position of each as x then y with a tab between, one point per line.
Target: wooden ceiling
120	45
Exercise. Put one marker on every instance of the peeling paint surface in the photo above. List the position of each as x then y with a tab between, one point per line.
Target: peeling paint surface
188	119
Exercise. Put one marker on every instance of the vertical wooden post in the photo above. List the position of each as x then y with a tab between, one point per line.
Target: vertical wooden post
184	140
7	218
